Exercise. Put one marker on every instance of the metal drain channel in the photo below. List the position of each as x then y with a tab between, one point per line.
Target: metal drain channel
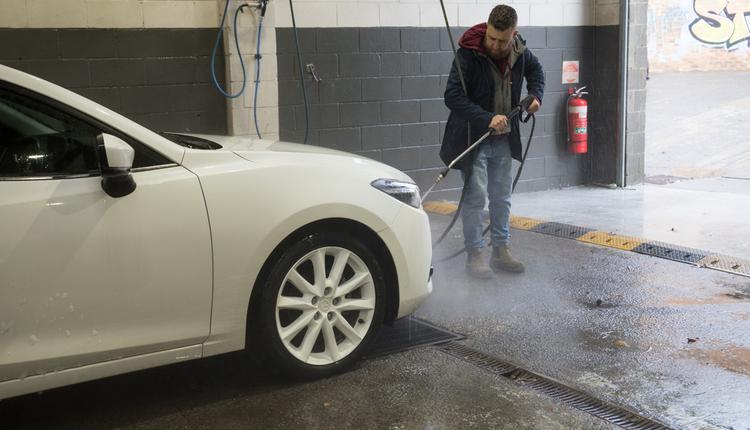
611	413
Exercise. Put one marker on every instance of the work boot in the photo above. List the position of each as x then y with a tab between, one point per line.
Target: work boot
502	260
475	265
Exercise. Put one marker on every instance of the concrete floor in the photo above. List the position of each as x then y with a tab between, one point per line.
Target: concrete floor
631	349
697	124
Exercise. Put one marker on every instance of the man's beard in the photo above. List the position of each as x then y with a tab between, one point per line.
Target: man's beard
500	55
497	55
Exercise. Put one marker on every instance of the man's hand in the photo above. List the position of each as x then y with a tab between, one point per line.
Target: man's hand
534	106
499	122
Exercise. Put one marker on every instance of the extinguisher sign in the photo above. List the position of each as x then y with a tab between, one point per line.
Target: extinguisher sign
570	72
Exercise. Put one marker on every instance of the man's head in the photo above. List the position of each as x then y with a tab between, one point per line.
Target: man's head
501	31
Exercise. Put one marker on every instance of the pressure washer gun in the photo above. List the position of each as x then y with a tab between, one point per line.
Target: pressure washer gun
516	111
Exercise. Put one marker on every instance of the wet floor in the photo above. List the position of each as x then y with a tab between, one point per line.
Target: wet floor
665	339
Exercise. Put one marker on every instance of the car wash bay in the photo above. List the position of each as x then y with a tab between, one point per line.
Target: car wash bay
591	336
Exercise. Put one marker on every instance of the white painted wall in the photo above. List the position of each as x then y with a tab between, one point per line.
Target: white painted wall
309	13
428	13
108	13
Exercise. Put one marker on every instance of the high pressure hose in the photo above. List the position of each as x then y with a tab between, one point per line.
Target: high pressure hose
236	44
467	170
262	5
301	72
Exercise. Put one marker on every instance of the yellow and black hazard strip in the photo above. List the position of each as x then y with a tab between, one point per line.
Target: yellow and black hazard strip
724	263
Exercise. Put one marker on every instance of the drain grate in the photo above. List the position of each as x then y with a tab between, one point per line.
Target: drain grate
726	263
408	333
671	252
611	413
561	230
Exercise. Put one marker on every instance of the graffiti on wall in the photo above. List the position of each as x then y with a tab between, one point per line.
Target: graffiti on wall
721	22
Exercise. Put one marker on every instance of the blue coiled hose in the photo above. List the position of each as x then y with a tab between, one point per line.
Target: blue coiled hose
237	44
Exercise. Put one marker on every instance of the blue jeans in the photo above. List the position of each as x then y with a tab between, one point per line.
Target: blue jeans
491	175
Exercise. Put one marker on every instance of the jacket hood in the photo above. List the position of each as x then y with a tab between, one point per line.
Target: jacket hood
473	39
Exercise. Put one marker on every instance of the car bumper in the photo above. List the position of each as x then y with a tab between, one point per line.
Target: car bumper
409	240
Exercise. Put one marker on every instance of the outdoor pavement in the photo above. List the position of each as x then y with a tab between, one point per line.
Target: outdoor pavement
698	124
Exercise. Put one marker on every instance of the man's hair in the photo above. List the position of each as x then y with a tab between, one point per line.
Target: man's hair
503	17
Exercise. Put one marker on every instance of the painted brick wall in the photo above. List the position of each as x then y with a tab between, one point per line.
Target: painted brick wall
421	13
108	13
381	95
604	106
674	48
384	66
148	60
158	78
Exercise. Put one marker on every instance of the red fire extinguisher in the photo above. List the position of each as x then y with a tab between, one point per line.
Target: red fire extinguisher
577	110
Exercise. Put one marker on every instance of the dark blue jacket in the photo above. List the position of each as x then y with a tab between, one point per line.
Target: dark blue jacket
477	108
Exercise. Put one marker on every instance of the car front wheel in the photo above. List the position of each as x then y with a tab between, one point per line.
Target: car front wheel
323	304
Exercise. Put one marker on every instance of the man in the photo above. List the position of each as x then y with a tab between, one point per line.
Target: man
494	61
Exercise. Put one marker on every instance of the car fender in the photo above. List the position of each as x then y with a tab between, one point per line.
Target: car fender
253	207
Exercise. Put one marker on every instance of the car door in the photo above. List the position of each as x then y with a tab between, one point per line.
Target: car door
84	277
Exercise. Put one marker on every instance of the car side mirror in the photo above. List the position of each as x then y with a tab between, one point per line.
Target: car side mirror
115	162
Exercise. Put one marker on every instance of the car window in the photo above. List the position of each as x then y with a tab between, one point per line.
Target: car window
37	140
40	137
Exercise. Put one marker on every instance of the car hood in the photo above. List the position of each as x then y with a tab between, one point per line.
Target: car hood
259	150
249	143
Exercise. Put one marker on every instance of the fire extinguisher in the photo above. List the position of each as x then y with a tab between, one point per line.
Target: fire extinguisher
577	109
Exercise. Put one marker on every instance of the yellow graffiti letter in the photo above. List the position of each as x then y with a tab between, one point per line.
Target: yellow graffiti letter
712	27
739	8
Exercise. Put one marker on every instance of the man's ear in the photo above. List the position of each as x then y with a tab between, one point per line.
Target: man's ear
515	33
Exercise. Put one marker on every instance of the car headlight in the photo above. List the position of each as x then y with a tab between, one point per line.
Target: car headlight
406	192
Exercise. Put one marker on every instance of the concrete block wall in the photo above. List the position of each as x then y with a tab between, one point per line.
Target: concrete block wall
604	106
673	47
383	66
383	69
148	60
635	158
242	110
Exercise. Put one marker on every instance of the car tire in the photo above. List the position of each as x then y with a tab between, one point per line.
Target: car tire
321	306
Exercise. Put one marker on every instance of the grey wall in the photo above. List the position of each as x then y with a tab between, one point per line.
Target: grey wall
381	96
157	77
604	105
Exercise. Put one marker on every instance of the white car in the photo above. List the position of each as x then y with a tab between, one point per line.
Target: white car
123	249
